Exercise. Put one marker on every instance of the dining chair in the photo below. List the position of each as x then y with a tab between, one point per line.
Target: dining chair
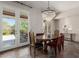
38	42
56	42
53	45
33	43
58	39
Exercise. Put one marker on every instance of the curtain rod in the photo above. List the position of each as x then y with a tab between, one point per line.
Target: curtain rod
23	4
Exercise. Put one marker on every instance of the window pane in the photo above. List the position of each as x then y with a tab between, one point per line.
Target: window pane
23	30
8	37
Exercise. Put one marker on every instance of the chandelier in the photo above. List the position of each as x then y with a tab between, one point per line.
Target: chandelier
48	14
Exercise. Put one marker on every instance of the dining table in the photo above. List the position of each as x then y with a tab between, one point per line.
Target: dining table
44	39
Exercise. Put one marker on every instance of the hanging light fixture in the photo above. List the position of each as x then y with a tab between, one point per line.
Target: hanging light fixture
48	14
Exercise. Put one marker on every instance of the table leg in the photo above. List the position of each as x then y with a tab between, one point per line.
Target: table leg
45	47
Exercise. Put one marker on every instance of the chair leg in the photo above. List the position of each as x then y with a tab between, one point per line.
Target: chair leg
30	50
59	48
34	52
63	46
55	51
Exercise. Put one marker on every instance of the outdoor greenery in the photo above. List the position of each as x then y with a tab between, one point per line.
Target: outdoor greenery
24	26
23	31
8	29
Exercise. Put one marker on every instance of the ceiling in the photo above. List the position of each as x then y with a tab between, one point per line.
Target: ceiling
57	5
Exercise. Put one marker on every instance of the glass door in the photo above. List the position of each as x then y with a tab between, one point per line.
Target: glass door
23	31
13	29
8	32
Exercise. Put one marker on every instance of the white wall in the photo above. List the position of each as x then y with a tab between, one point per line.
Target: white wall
71	19
35	20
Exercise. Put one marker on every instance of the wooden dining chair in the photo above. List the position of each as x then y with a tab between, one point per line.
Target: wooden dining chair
56	44
57	35
33	43
53	45
38	42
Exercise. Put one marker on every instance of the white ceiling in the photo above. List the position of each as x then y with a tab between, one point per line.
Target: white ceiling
58	5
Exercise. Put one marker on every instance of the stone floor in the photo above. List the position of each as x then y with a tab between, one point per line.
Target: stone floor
71	50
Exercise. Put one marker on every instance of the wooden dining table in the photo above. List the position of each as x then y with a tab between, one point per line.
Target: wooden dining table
44	39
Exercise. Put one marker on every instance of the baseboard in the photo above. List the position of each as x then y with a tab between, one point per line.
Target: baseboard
72	41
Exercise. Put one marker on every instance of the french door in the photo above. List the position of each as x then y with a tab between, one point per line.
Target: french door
23	32
13	32
8	32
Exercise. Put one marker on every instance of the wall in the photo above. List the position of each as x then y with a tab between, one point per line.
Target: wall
35	20
71	19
